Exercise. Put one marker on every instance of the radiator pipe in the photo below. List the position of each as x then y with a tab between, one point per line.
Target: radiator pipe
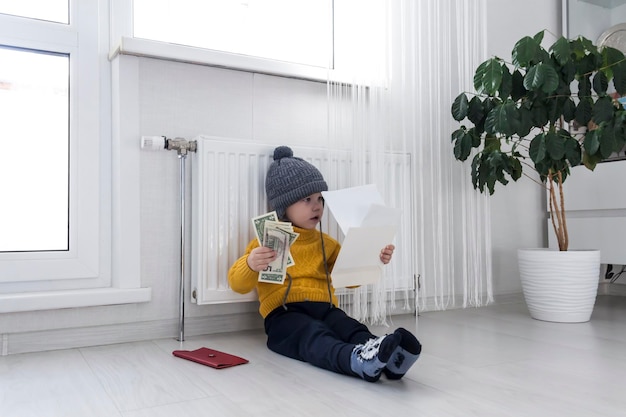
183	147
181	302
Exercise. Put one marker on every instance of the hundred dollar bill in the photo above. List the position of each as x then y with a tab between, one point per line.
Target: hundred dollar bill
272	277
277	240
286	228
259	222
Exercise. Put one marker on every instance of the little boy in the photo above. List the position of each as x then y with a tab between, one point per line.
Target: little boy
302	320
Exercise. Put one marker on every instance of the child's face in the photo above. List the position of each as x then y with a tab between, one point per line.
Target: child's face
306	213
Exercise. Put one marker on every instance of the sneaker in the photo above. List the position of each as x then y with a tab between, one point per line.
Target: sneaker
404	356
369	359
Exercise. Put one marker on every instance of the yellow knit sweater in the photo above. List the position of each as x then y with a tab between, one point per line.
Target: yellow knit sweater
308	274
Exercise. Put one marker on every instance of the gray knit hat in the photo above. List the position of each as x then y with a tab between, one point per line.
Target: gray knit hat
290	179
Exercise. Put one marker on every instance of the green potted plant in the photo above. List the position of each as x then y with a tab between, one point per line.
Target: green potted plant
520	118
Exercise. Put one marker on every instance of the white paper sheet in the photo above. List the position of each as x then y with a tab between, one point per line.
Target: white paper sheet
359	262
378	215
351	205
368	226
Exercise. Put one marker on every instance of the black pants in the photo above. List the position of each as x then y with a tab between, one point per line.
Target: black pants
316	333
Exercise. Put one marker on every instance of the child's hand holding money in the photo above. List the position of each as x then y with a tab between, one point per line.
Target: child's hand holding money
259	258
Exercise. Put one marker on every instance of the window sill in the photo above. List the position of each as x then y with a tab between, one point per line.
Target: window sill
49	300
208	57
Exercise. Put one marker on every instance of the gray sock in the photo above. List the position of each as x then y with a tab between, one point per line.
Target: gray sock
404	356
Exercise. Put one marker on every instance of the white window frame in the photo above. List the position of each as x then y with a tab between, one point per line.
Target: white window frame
123	43
96	270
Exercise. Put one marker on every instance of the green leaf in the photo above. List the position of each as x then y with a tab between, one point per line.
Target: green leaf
476	111
591	142
579	47
503	118
569	110
590	161
543	169
586	65
573	153
457	136
463	146
518	90
492	143
607	142
525	121
490	120
496	161
460	107
481	172
539	37
555	108
619	78
541	77
600	83
464	140
499	165
525	51
603	110
488	77
491	166
584	111
478	75
584	86
561	51
610	58
555	146
537	150
489	104
540	114
568	72
516	168
507	83
476	139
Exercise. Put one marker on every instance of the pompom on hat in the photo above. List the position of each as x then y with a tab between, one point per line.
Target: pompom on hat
290	179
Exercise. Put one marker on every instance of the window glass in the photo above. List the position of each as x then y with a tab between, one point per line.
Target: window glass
52	10
34	136
298	31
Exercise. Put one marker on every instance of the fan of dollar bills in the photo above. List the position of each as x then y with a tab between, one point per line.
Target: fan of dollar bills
279	236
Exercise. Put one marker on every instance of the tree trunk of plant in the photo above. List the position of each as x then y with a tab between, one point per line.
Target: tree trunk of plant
557	209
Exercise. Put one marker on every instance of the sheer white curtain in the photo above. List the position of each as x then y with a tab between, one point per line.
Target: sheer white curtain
400	63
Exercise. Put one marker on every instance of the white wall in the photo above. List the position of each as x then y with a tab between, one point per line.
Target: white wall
176	99
603	18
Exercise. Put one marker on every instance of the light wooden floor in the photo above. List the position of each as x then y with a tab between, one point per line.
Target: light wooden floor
491	361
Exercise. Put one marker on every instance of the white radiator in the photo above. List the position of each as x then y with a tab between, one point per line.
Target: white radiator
228	190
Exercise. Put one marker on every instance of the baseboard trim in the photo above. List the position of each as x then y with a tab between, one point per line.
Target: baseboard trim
606	288
456	302
70	338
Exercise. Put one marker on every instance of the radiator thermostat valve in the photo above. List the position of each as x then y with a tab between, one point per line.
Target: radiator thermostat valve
153	143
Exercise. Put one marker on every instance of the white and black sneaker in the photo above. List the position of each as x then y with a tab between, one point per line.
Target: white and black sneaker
369	359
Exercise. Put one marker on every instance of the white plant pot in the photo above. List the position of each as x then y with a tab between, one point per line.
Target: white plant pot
559	286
